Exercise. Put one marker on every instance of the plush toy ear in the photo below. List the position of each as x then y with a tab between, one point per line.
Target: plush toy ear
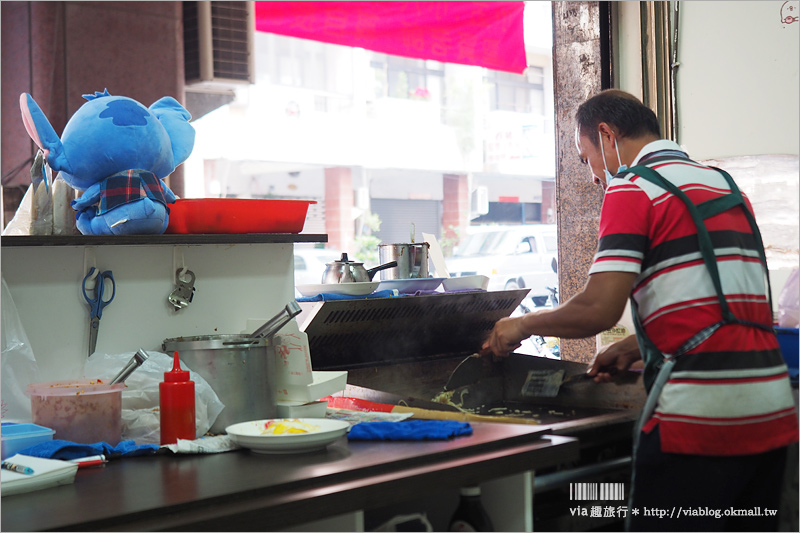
175	119
42	133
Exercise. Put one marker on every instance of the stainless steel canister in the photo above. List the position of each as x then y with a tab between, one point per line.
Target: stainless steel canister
412	260
240	369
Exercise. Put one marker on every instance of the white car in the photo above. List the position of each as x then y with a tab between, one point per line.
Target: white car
514	257
310	264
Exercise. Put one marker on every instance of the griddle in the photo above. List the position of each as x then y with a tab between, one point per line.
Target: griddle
403	349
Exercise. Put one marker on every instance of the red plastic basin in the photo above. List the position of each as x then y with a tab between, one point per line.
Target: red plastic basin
237	215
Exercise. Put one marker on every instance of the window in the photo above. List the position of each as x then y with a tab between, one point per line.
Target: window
402	77
521	93
300	64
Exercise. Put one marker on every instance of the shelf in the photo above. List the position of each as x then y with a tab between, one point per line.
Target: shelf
167	239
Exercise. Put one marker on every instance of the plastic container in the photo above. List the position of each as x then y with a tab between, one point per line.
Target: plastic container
237	215
17	437
85	411
470	514
624	328
788	341
176	405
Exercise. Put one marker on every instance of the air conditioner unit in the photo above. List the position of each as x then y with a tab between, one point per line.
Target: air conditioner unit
218	45
479	202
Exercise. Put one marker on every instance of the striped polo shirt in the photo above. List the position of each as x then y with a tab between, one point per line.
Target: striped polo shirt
731	394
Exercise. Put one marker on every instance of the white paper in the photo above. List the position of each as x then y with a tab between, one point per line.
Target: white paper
436	256
46	473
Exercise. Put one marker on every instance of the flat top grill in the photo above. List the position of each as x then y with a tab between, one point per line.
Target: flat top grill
402	350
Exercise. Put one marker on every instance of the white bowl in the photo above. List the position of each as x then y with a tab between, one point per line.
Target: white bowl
476	281
411	285
357	288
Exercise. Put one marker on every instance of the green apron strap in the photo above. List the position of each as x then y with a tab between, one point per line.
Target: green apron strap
751	219
698	213
704	239
647	348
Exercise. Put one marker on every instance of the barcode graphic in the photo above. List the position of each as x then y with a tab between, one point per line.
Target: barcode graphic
596	491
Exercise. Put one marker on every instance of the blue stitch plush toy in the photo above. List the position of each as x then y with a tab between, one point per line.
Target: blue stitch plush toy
117	152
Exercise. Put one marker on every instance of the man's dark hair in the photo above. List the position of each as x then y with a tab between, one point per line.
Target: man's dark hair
630	116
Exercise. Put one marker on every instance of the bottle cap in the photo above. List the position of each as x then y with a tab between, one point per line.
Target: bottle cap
471	491
176	374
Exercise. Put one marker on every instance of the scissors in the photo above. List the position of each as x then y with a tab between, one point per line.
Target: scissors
98	303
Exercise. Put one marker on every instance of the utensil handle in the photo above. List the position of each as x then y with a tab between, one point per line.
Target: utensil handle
371	272
136	361
272	326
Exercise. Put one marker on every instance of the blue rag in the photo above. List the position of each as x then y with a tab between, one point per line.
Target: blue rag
64	449
327	296
409	430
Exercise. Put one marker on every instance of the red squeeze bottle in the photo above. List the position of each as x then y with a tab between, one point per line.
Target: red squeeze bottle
176	402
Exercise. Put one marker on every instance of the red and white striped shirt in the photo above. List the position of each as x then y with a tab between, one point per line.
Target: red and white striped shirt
730	395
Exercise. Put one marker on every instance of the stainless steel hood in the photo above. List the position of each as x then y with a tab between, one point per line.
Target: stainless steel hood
347	334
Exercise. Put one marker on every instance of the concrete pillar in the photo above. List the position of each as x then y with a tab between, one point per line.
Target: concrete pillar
455	209
339	209
576	77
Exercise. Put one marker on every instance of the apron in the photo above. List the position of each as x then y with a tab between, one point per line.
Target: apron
699	213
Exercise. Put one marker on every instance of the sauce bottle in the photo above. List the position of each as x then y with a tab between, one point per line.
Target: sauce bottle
623	329
470	514
176	402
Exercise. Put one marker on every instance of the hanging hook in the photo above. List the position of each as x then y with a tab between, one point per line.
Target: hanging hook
89	263
178	264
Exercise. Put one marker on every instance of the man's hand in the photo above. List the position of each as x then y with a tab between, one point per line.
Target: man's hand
614	358
506	337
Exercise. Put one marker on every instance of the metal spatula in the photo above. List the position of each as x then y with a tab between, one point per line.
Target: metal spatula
547	383
471	370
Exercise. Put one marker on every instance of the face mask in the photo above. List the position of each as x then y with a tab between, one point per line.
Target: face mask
621	168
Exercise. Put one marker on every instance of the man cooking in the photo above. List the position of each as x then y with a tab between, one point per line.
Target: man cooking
720	414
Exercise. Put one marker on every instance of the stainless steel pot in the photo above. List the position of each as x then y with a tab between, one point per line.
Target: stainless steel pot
346	271
411	258
240	369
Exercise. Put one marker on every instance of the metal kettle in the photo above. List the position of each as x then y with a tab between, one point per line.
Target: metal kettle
346	271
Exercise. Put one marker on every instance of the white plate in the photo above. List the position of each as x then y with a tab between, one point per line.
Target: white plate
248	435
357	288
410	286
476	281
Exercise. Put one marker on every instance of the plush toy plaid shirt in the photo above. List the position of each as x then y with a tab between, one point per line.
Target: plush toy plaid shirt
128	186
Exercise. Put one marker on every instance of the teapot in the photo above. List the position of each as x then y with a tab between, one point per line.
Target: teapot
346	271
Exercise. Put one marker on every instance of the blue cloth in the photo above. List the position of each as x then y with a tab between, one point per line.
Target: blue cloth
409	430
64	449
326	296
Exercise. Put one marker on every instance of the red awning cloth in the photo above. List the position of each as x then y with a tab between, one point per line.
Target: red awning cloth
486	34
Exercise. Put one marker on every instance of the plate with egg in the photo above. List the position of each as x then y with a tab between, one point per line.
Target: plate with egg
287	435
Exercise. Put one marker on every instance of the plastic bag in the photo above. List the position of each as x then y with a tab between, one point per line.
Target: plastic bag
140	407
46	207
19	368
789	301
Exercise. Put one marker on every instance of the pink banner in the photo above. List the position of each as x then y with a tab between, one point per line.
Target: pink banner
487	34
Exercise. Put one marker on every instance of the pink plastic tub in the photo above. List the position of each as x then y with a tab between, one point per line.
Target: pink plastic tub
84	411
